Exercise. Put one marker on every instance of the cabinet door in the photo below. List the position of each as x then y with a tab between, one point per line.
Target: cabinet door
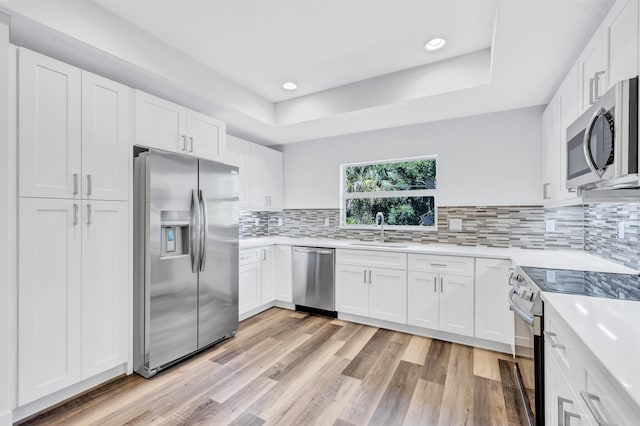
49	297
283	274
551	150
422	299
456	304
590	63
206	136
49	127
561	404
266	274
249	287
352	290
388	295
620	29
106	138
493	319
160	123
105	266
273	160
237	154
265	178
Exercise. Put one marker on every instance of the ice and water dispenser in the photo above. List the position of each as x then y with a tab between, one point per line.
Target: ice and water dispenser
174	226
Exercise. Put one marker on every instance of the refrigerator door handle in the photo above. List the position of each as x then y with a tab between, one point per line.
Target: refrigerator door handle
195	232
204	231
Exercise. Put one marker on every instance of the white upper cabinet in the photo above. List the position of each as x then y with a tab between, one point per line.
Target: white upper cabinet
49	127
620	39
160	123
165	125
49	297
266	178
591	72
106	138
105	265
237	154
206	136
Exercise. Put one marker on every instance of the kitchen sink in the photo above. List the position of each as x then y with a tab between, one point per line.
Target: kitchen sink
375	244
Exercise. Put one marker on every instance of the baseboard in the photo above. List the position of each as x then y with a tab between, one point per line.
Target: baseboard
285	305
6	419
255	311
433	334
50	401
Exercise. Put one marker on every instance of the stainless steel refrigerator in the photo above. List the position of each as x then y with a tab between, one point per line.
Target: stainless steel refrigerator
185	257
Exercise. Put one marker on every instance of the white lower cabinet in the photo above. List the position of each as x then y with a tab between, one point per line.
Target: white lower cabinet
561	405
266	275
249	291
379	293
423	299
72	309
493	319
282	277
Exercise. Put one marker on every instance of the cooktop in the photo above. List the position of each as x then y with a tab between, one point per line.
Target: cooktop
586	283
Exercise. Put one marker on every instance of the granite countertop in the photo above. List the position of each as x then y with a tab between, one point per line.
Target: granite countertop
610	328
554	259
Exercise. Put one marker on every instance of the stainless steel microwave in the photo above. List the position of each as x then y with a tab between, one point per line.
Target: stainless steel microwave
602	144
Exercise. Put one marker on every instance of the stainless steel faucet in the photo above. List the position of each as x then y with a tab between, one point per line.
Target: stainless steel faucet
380	223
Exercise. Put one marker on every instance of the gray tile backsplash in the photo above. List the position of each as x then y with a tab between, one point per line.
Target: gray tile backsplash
590	227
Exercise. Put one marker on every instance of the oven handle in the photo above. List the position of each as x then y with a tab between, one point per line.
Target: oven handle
516	309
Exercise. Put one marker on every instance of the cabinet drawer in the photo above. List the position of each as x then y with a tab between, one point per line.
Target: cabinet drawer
565	347
371	258
441	264
249	256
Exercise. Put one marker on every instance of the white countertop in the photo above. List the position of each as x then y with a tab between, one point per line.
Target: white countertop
610	328
553	259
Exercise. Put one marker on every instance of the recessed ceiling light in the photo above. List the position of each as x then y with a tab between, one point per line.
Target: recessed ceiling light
435	44
289	85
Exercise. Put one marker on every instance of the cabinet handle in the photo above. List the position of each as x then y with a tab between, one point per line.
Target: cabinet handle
89	218
269	198
567	417
551	336
561	412
190	143
89	185
589	399
364	276
183	145
75	184
591	84
441	285
545	191
596	84
435	284
440	265
369	276
264	255
75	214
266	201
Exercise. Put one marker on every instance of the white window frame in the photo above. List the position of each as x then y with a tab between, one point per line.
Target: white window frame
388	194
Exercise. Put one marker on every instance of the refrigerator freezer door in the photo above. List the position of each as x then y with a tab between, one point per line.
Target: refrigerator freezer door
218	281
172	284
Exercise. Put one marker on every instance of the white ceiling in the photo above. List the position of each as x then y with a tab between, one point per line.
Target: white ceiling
318	44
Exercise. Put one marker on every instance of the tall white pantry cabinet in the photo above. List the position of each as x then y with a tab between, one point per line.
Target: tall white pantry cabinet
74	142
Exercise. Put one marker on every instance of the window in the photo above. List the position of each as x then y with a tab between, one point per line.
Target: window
404	190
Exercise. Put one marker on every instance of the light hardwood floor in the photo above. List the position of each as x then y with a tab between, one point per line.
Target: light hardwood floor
291	368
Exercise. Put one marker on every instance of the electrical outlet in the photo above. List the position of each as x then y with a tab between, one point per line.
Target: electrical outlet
326	221
621	230
279	221
256	222
550	225
455	224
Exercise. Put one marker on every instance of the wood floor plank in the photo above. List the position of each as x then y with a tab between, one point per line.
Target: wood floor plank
424	408
348	330
417	350
437	362
358	341
395	402
247	419
458	394
509	391
488	404
366	358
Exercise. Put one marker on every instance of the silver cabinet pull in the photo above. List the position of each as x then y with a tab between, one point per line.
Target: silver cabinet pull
75	214
596	85
183	143
75	184
590	399
591	97
561	402
441	285
266	201
264	255
440	265
369	276
551	336
190	143
545	191
89	184
89	218
364	276
435	284
567	417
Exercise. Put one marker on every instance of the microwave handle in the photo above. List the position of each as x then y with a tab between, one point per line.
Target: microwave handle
585	142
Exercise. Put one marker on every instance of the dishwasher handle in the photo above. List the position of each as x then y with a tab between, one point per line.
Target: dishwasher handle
313	250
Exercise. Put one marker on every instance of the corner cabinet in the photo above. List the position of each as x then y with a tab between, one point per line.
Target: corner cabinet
165	125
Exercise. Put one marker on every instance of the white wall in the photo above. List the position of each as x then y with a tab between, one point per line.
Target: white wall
7	202
491	159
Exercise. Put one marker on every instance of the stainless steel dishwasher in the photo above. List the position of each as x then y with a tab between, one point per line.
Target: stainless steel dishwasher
313	279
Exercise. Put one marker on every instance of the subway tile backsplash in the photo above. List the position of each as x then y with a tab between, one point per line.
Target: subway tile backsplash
590	227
